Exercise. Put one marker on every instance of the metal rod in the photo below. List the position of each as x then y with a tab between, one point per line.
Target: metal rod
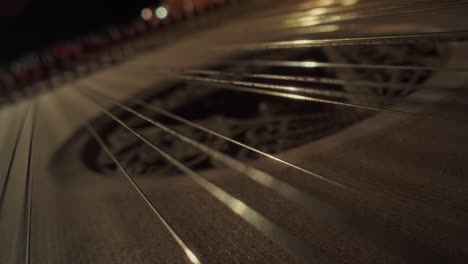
191	256
12	158
252	88
254	218
371	40
207	130
319	64
29	187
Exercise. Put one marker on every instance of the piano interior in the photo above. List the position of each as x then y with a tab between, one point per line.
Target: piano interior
248	131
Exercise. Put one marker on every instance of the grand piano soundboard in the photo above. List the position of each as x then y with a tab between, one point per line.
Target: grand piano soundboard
257	132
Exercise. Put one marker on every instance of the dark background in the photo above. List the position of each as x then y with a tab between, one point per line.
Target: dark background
29	25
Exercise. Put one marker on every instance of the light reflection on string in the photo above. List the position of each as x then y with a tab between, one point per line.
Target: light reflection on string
294	246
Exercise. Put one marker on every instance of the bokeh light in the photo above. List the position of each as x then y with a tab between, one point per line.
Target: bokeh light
161	12
146	14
